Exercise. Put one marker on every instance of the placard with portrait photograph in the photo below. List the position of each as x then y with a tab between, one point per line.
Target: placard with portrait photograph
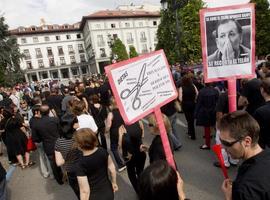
228	42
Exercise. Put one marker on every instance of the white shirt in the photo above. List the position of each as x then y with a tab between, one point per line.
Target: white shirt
87	121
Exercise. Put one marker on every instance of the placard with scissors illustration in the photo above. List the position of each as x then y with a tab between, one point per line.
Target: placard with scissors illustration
141	84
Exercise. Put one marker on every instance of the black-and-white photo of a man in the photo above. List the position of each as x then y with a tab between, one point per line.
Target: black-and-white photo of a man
228	36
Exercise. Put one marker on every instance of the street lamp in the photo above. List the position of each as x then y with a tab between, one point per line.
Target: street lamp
174	7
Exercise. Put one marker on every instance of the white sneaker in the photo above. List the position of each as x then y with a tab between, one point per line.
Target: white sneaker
122	169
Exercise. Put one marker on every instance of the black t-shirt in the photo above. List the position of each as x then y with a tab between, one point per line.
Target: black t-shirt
116	123
95	167
251	91
169	109
222	103
133	138
252	181
99	115
262	115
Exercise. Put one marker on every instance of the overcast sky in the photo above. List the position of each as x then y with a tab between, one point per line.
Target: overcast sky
29	12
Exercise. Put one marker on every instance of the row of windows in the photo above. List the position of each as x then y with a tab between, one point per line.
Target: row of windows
50	52
127	25
101	42
52	63
102	52
47	38
63	73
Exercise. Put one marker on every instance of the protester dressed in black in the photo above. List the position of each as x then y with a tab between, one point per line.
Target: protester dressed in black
133	151
187	96
93	167
114	121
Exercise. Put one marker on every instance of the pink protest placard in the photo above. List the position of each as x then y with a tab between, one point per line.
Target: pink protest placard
228	42
141	85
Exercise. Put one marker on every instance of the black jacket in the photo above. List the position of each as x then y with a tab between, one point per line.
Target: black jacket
46	130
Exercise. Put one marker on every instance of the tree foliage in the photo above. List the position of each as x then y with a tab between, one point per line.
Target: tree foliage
189	46
262	27
132	52
119	51
190	35
10	56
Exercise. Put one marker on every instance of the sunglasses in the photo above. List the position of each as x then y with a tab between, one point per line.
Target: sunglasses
229	144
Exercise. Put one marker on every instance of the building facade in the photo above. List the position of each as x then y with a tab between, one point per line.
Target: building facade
133	28
74	51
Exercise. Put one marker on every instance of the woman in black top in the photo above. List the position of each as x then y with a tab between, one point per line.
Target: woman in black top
133	150
156	151
99	113
93	167
66	154
187	96
205	112
113	122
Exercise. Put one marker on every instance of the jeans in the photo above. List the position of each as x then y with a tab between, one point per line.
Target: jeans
44	163
57	171
174	136
135	167
3	189
119	161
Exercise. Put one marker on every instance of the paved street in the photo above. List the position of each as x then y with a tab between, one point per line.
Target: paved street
202	180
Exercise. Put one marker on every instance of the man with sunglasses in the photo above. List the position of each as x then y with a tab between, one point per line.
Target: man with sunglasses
239	135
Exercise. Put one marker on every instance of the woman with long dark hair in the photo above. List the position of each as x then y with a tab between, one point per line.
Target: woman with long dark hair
160	181
187	96
66	154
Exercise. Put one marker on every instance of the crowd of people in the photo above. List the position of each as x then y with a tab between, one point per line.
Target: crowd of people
68	125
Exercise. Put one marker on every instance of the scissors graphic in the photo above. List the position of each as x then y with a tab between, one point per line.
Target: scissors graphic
127	92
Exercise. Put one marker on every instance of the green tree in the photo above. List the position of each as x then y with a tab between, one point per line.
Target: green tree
262	27
119	51
190	40
189	46
10	56
132	52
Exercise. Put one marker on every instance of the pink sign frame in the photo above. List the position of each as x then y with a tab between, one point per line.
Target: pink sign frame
117	96
204	42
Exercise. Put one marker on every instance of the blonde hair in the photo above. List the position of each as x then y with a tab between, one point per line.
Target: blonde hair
167	123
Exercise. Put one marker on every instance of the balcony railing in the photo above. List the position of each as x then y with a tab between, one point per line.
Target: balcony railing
103	55
83	60
130	41
143	39
144	51
71	52
39	56
27	57
81	51
101	44
73	61
52	64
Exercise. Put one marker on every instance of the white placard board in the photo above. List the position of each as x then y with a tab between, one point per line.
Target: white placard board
141	84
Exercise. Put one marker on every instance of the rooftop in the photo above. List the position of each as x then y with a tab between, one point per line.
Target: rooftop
103	14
